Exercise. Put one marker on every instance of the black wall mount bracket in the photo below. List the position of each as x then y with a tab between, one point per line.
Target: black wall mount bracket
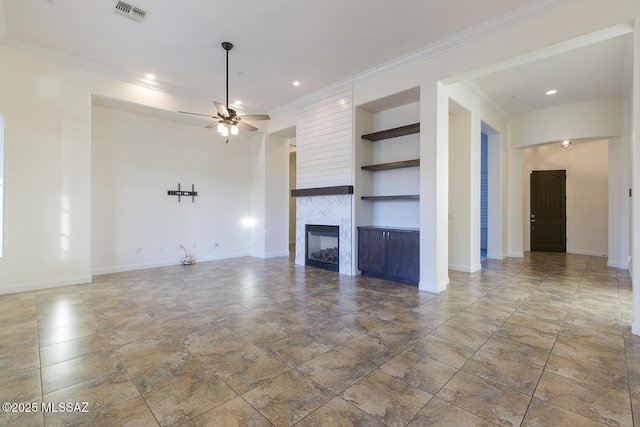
193	193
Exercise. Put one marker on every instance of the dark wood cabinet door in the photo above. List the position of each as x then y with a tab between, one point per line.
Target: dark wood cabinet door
403	256
371	251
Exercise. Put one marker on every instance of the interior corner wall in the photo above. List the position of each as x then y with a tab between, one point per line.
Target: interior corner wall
135	224
587	166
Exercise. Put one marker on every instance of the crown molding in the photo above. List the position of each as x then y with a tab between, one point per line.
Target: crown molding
505	21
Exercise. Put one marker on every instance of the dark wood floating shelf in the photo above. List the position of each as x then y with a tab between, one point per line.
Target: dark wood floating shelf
393	133
392	165
398	197
322	191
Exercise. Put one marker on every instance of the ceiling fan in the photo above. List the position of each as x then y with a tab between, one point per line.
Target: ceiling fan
228	120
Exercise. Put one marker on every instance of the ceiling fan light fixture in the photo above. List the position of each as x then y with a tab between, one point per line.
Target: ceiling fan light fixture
234	129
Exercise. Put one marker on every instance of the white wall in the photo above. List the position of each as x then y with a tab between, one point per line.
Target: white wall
47	140
136	159
587	166
601	118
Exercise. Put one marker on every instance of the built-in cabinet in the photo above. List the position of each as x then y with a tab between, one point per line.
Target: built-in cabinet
387	187
389	253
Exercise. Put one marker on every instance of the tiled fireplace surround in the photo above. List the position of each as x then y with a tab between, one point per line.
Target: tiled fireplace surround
326	210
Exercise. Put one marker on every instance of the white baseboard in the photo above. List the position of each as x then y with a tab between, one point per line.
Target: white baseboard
635	328
161	263
614	264
263	255
585	252
515	254
465	268
496	256
45	284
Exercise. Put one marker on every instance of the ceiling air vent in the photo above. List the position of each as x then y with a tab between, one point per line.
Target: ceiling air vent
130	11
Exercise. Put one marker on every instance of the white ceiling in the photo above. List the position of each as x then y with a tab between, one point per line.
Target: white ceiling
279	41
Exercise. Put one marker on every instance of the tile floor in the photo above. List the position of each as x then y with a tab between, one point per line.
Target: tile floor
539	341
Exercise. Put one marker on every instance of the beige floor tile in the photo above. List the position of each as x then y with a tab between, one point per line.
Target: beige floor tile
83	368
493	402
386	398
517	376
100	393
236	412
509	350
338	412
249	370
335	371
133	412
72	349
188	398
18	363
288	398
439	412
449	352
419	371
606	406
542	414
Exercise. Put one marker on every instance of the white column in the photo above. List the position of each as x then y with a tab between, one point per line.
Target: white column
434	187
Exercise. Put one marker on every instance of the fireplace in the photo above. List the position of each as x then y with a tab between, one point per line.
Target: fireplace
323	246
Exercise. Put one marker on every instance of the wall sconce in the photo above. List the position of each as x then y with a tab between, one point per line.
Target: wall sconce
566	144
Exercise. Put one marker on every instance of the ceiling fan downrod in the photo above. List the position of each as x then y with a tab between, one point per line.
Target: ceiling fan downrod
227	46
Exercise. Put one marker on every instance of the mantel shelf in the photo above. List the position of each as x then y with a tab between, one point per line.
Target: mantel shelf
393	133
393	165
396	197
322	191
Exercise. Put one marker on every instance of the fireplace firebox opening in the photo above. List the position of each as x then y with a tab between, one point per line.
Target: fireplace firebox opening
323	246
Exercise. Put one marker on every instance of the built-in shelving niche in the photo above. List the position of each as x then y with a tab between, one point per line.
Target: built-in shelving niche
387	155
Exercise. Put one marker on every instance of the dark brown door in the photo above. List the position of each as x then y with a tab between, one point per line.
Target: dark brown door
548	211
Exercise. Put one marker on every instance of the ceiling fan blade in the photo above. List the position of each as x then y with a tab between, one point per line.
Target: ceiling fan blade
221	109
198	114
247	126
252	117
212	125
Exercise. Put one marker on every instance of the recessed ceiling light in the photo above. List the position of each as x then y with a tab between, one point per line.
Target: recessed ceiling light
150	77
552	92
238	102
296	83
